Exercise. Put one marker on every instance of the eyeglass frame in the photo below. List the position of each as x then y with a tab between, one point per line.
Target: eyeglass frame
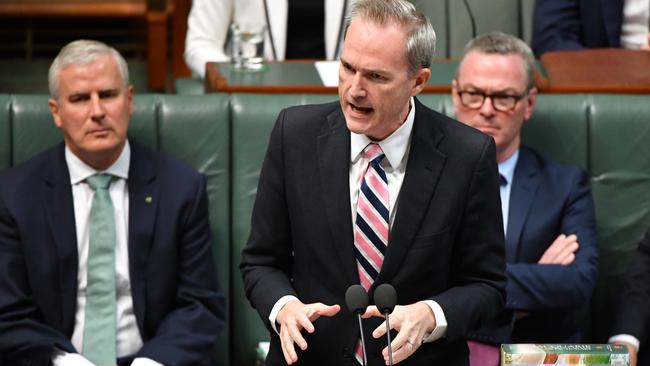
484	95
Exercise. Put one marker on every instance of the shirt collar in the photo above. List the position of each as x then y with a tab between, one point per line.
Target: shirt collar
507	167
394	146
79	170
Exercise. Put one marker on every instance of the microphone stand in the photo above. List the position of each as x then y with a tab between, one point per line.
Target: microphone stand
363	341
390	350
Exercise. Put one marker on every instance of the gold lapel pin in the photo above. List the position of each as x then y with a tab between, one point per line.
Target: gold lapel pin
148	199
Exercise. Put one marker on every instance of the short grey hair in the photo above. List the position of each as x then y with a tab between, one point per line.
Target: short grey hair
500	43
420	39
83	52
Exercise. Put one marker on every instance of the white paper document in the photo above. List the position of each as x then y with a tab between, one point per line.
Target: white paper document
328	72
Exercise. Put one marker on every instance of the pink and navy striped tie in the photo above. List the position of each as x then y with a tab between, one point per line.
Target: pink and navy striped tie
372	222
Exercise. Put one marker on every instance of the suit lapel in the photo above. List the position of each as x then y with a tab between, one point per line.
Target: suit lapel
334	170
423	169
522	194
143	202
59	210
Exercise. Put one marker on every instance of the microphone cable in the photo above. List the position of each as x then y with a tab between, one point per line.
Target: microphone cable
471	18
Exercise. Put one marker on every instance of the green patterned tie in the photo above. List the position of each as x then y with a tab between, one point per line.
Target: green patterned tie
99	329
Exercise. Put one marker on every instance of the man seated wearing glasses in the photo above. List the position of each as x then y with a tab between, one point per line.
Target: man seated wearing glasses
547	208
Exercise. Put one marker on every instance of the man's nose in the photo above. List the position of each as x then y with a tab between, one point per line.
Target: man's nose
97	106
357	87
487	109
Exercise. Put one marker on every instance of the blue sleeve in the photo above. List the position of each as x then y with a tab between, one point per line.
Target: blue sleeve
532	286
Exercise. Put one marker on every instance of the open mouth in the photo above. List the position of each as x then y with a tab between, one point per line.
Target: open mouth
360	109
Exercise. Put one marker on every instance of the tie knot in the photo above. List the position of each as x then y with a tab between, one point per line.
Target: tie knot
373	152
99	181
502	180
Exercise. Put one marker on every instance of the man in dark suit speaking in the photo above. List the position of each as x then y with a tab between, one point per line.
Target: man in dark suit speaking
105	245
376	188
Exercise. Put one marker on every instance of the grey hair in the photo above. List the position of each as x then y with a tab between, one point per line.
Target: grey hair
83	52
500	43
420	39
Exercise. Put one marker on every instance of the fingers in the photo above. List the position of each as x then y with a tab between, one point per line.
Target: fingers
372	311
293	318
412	323
402	349
560	251
318	309
567	255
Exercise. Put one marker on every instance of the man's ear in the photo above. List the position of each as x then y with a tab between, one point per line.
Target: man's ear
54	108
421	78
129	96
530	103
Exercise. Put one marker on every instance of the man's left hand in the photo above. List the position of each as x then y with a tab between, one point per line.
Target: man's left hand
412	322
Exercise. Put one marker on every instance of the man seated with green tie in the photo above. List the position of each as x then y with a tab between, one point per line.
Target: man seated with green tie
105	245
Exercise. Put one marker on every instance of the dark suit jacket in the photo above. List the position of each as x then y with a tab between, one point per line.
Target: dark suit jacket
546	199
576	24
633	313
446	242
177	303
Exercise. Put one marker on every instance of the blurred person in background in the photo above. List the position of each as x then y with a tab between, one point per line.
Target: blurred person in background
576	24
295	29
547	207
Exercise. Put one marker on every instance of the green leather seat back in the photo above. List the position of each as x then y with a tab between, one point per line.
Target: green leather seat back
5	132
451	21
196	129
619	133
437	12
32	127
253	117
558	128
192	129
501	15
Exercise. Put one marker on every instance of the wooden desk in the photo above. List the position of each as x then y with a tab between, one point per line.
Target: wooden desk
300	77
154	12
597	71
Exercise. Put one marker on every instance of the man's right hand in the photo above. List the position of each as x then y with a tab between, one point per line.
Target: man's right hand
562	251
295	316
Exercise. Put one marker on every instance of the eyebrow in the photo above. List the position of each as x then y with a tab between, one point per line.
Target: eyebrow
365	71
494	92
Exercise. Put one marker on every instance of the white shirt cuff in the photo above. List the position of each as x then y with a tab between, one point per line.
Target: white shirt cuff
627	338
62	358
276	309
440	330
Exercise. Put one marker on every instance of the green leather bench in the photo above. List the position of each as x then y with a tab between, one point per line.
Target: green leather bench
225	137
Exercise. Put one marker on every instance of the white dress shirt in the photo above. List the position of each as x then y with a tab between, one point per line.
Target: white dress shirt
634	30
128	340
396	148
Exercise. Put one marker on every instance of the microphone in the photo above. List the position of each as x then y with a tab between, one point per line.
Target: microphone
356	298
385	299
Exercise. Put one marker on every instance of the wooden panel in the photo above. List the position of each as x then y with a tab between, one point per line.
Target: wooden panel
155	13
74	8
606	70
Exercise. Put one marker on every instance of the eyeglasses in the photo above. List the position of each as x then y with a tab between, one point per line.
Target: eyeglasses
500	102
